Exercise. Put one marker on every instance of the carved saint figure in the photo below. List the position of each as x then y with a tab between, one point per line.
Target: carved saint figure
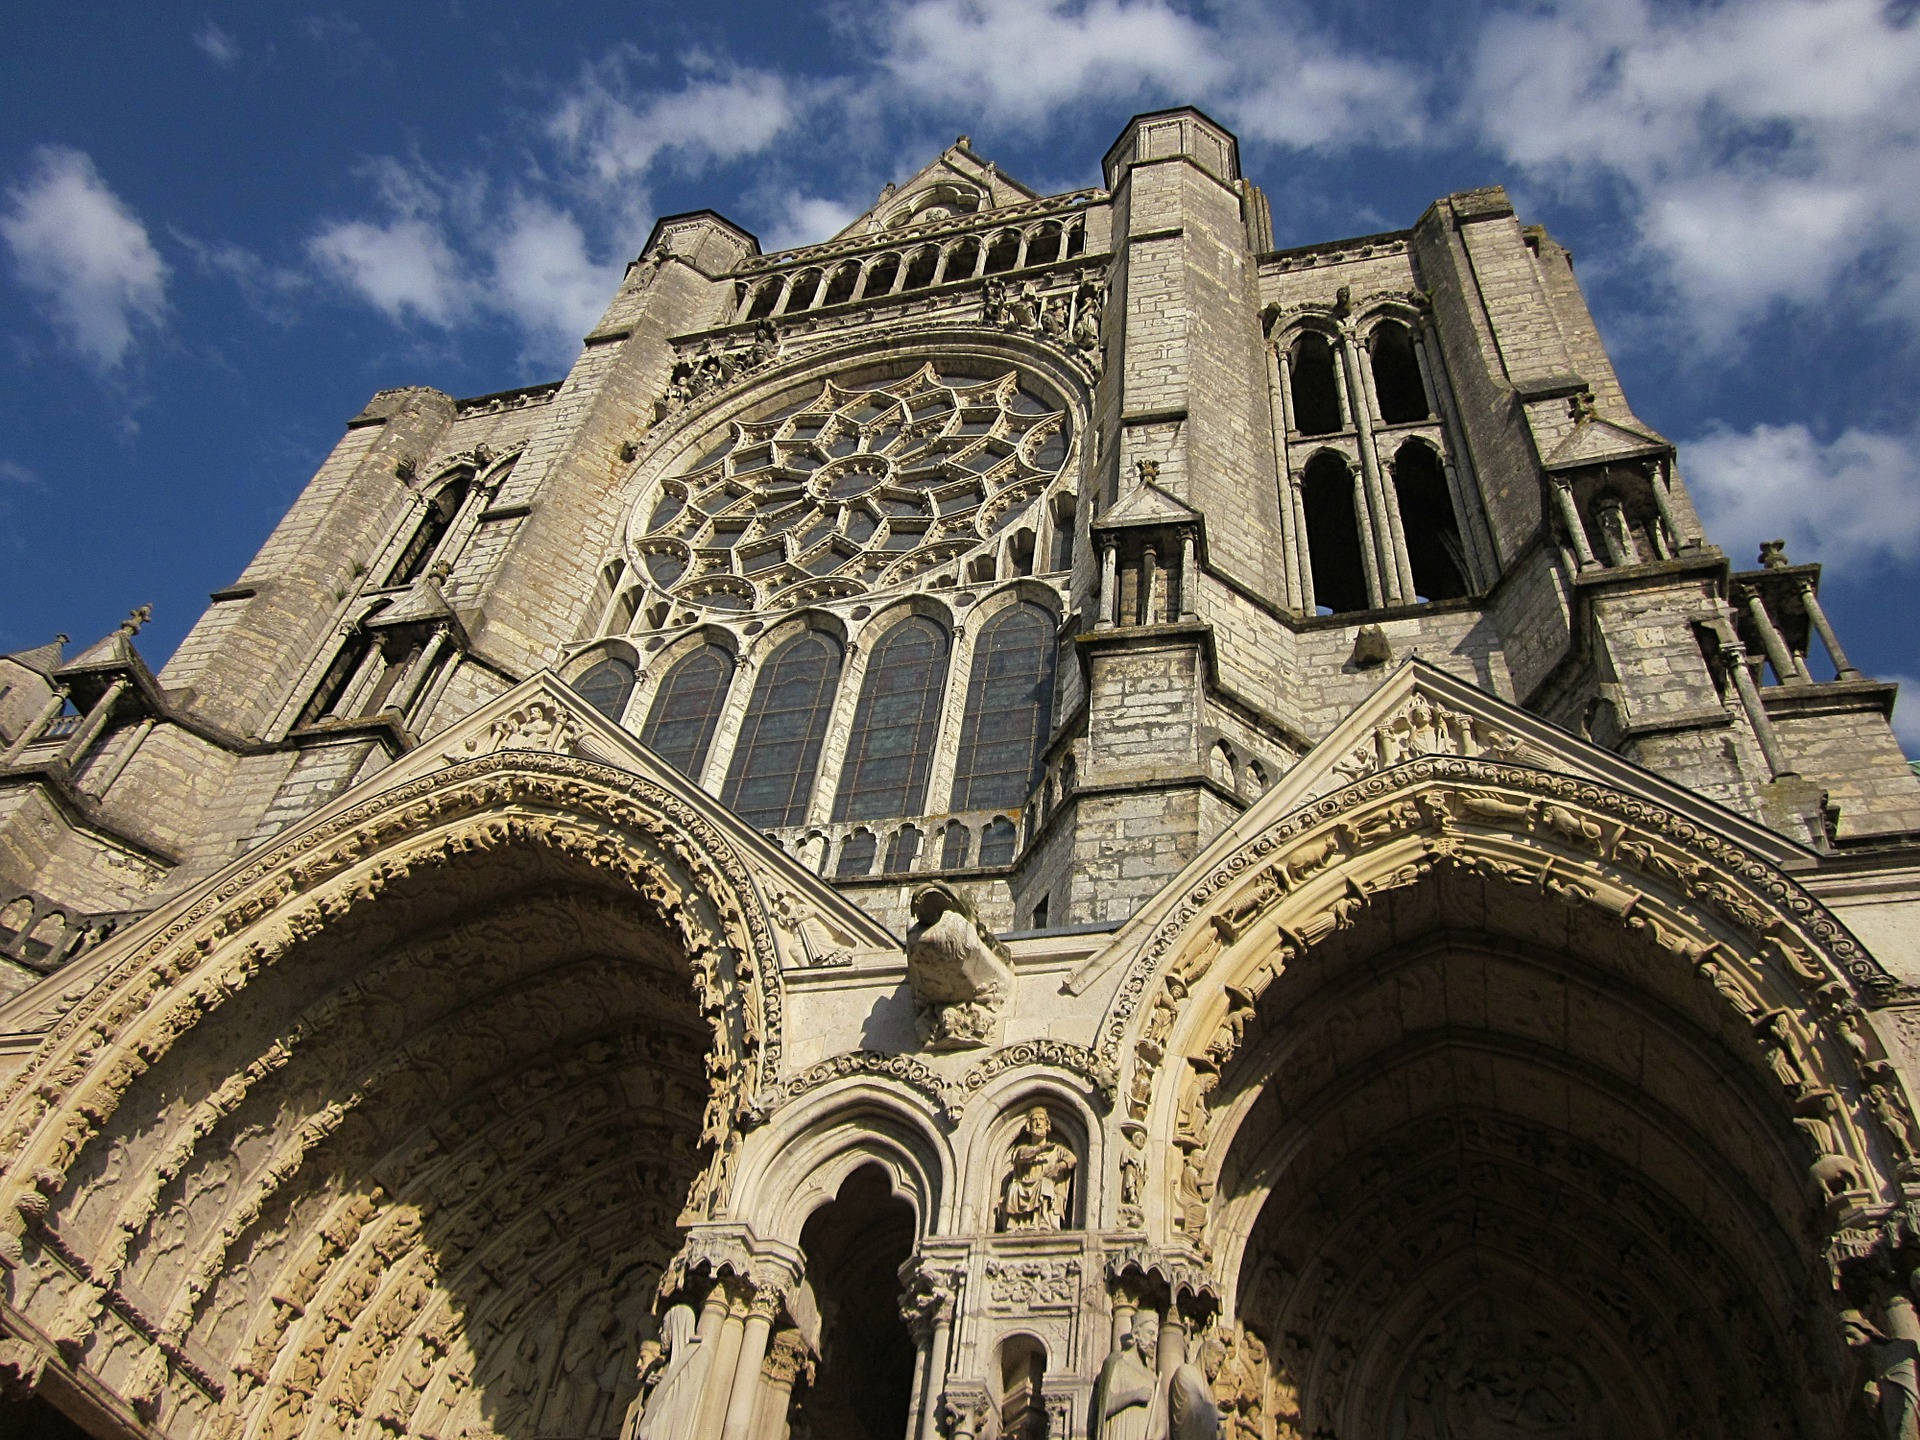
1191	1412
1041	1170
669	1409
1893	1367
957	969
1123	1395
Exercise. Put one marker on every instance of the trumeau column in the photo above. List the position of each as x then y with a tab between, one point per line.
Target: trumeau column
1189	366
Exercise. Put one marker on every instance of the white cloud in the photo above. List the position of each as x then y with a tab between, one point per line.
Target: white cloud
217	45
807	219
84	254
1763	148
1906	714
544	280
404	268
1852	500
616	134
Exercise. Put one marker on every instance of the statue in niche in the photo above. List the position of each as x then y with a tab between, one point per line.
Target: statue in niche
957	969
1893	1366
1039	1176
1123	1396
668	1410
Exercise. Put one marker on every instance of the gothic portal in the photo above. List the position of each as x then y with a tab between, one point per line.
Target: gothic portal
1036	820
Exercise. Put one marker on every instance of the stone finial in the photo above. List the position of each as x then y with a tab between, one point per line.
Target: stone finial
130	626
1773	554
1147	471
1580	406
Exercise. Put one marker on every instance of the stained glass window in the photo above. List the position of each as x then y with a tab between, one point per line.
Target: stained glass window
903	849
771	778
1009	707
896	724
856	855
996	842
606	687
681	723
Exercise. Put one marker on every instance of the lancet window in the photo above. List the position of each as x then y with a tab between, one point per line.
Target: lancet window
1009	706
686	710
432	528
771	779
606	687
891	748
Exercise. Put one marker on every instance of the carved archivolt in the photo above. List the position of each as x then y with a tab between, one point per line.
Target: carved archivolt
949	1098
1771	953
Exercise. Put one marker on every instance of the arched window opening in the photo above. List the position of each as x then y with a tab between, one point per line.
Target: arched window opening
686	710
955	841
1023	1366
903	850
880	275
764	299
980	570
331	692
996	842
1063	536
1316	390
621	620
921	267
1020	552
894	727
1333	535
1009	710
1076	238
1044	247
603	589
1434	551
841	289
962	258
856	855
854	1247
1396	374
428	534
771	778
1004	252
606	687
804	291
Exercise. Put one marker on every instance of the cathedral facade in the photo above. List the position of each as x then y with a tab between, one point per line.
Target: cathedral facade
1037	820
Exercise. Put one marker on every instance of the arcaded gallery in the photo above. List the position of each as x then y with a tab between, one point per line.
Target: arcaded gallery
1037	820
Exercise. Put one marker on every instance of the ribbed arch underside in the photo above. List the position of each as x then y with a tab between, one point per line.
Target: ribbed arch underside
1491	1171
420	1178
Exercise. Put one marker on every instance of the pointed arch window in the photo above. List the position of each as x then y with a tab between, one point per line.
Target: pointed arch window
606	687
431	530
771	778
1009	709
686	710
895	725
1434	552
1333	534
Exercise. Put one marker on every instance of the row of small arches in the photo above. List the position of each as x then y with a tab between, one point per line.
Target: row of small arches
892	272
1318	389
1339	526
772	772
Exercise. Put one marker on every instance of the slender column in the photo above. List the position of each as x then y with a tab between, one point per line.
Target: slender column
1369	552
1277	410
1426	377
1302	553
1147	612
1348	421
722	1326
786	1362
118	768
746	1375
48	714
96	721
1842	666
1189	583
938	1345
1576	528
422	667
1663	502
1479	534
940	266
786	296
1377	531
900	273
1109	585
1613	533
1771	640
1734	657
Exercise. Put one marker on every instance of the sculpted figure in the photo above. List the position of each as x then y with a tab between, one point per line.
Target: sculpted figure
1123	1395
669	1409
958	971
1035	1197
1893	1370
1191	1413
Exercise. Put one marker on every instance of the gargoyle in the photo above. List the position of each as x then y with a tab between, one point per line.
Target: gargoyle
958	971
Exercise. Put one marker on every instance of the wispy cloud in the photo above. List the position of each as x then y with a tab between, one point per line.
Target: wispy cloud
84	255
1854	499
1762	150
1906	714
802	219
217	45
402	267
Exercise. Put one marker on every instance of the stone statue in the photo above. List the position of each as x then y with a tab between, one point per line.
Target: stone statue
669	1409
1041	1170
1894	1374
1191	1413
958	971
1123	1395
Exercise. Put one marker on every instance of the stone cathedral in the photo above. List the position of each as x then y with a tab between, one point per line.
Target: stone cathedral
1039	819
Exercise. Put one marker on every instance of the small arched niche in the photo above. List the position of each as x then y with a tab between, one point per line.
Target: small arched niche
1040	1152
1023	1371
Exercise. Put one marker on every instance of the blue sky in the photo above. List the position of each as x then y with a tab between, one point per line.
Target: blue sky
222	227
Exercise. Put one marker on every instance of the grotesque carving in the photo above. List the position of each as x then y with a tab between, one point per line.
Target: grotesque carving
957	969
1040	1173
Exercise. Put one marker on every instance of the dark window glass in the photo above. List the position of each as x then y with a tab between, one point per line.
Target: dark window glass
680	725
903	849
856	855
428	534
1333	535
606	687
953	845
1316	393
1396	375
1426	517
894	728
771	779
333	685
996	843
1009	707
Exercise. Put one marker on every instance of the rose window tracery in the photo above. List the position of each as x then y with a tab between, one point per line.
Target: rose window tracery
850	487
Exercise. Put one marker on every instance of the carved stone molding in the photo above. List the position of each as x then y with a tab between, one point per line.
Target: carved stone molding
906	1070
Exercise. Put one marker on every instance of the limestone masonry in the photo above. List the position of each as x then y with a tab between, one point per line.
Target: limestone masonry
1036	820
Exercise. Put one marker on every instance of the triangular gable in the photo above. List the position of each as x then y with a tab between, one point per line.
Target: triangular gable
1145	504
1422	710
957	168
1599	441
41	659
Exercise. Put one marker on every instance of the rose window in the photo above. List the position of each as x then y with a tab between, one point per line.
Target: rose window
852	487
